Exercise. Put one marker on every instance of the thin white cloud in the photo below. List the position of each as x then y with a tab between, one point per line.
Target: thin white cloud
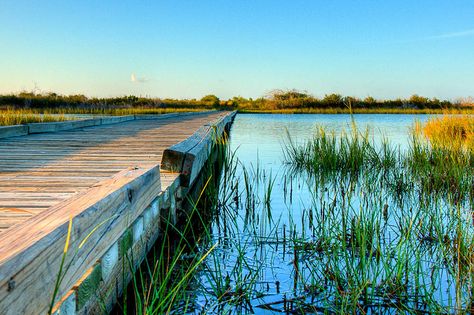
135	79
465	33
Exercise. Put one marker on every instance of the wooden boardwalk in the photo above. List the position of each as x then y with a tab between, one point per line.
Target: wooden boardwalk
38	171
92	197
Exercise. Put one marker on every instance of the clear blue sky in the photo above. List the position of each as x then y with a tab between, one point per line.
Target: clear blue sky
186	49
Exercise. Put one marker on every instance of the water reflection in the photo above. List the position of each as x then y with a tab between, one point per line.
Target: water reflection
292	242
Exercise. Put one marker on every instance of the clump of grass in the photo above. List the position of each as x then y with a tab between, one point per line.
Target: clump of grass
166	282
450	131
19	117
349	153
441	168
434	166
441	155
162	284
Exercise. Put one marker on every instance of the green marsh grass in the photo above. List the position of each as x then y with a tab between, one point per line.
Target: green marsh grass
11	116
18	117
399	231
374	235
162	283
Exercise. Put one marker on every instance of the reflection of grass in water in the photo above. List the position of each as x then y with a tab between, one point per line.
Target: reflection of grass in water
370	239
360	247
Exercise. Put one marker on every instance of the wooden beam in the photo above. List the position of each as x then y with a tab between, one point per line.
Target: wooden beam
30	253
188	156
13	131
62	125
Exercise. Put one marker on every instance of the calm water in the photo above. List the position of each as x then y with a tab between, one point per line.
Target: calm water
262	273
260	138
261	135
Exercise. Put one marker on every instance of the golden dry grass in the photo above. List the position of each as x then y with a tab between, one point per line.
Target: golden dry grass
451	131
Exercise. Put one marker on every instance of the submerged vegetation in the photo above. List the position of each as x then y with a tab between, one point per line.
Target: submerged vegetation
364	227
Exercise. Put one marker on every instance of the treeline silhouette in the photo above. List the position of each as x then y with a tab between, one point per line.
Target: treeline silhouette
275	100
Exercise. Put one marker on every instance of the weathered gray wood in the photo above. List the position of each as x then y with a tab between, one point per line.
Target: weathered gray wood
67	305
173	157
30	253
88	285
72	161
170	115
195	158
63	125
189	155
116	119
40	173
109	261
13	131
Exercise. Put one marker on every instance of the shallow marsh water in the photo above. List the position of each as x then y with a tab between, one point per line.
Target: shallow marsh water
288	242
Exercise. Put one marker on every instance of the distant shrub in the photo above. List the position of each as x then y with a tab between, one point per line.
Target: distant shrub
210	100
279	99
333	100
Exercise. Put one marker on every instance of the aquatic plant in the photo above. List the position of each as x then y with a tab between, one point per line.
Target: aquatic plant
350	153
376	232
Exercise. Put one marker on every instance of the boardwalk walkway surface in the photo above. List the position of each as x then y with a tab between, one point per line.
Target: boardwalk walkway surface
38	171
92	198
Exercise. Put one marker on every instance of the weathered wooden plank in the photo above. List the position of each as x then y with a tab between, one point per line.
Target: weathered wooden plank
173	157
72	161
115	119
173	115
33	250
13	131
189	156
61	126
195	158
44	169
39	195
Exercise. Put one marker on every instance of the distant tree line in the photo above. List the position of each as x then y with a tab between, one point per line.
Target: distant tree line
280	99
275	100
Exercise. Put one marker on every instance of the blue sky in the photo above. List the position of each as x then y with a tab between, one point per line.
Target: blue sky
187	49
